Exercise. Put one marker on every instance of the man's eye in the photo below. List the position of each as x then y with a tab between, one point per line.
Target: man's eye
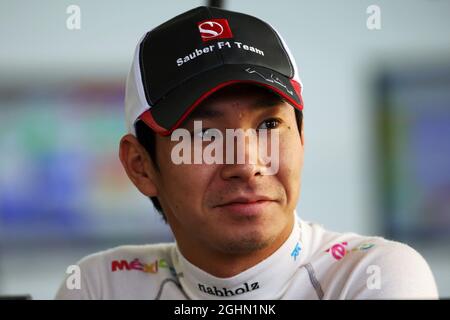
271	123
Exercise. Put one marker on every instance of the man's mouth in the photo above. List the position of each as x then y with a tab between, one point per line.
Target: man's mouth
246	205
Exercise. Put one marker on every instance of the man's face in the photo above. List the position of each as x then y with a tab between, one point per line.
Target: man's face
234	208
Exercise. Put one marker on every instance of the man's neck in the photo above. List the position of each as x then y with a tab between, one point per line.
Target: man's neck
224	265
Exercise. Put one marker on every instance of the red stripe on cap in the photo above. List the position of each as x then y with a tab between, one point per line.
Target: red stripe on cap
150	121
296	87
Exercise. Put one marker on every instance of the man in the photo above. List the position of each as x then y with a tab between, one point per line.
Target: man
200	75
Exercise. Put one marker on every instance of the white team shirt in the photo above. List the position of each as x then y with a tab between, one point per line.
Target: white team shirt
313	263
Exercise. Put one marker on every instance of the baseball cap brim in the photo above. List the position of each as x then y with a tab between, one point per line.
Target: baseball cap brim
170	112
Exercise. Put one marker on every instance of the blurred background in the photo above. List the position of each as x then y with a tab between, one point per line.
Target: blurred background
377	125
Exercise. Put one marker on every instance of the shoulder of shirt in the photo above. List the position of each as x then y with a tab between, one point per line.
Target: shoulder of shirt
97	268
127	252
401	266
320	239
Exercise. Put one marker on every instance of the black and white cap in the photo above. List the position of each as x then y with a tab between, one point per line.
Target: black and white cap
184	60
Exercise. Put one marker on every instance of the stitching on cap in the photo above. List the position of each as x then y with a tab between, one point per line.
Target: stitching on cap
218	53
291	67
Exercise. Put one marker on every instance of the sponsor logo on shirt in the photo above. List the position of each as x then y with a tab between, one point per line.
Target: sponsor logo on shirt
136	264
339	251
295	253
224	292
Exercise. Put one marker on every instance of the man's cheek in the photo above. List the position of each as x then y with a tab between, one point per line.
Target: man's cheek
291	162
188	178
191	174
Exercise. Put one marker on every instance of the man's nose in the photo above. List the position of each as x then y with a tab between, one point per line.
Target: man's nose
244	172
242	161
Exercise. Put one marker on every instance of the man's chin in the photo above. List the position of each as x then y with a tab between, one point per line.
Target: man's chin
248	237
246	244
236	233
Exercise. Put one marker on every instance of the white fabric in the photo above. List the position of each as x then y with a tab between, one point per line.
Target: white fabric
160	272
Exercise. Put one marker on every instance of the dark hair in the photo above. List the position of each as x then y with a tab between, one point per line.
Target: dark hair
147	138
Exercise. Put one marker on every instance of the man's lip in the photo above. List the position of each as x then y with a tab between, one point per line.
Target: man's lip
245	200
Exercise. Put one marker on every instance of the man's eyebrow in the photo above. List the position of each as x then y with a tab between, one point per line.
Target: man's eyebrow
268	102
205	113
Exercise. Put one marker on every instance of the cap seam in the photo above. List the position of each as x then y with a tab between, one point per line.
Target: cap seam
218	53
291	69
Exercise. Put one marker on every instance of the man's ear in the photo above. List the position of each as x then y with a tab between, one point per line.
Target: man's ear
138	165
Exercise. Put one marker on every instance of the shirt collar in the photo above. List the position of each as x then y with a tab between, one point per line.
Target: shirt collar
268	279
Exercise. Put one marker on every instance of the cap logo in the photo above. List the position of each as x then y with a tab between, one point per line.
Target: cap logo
214	29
